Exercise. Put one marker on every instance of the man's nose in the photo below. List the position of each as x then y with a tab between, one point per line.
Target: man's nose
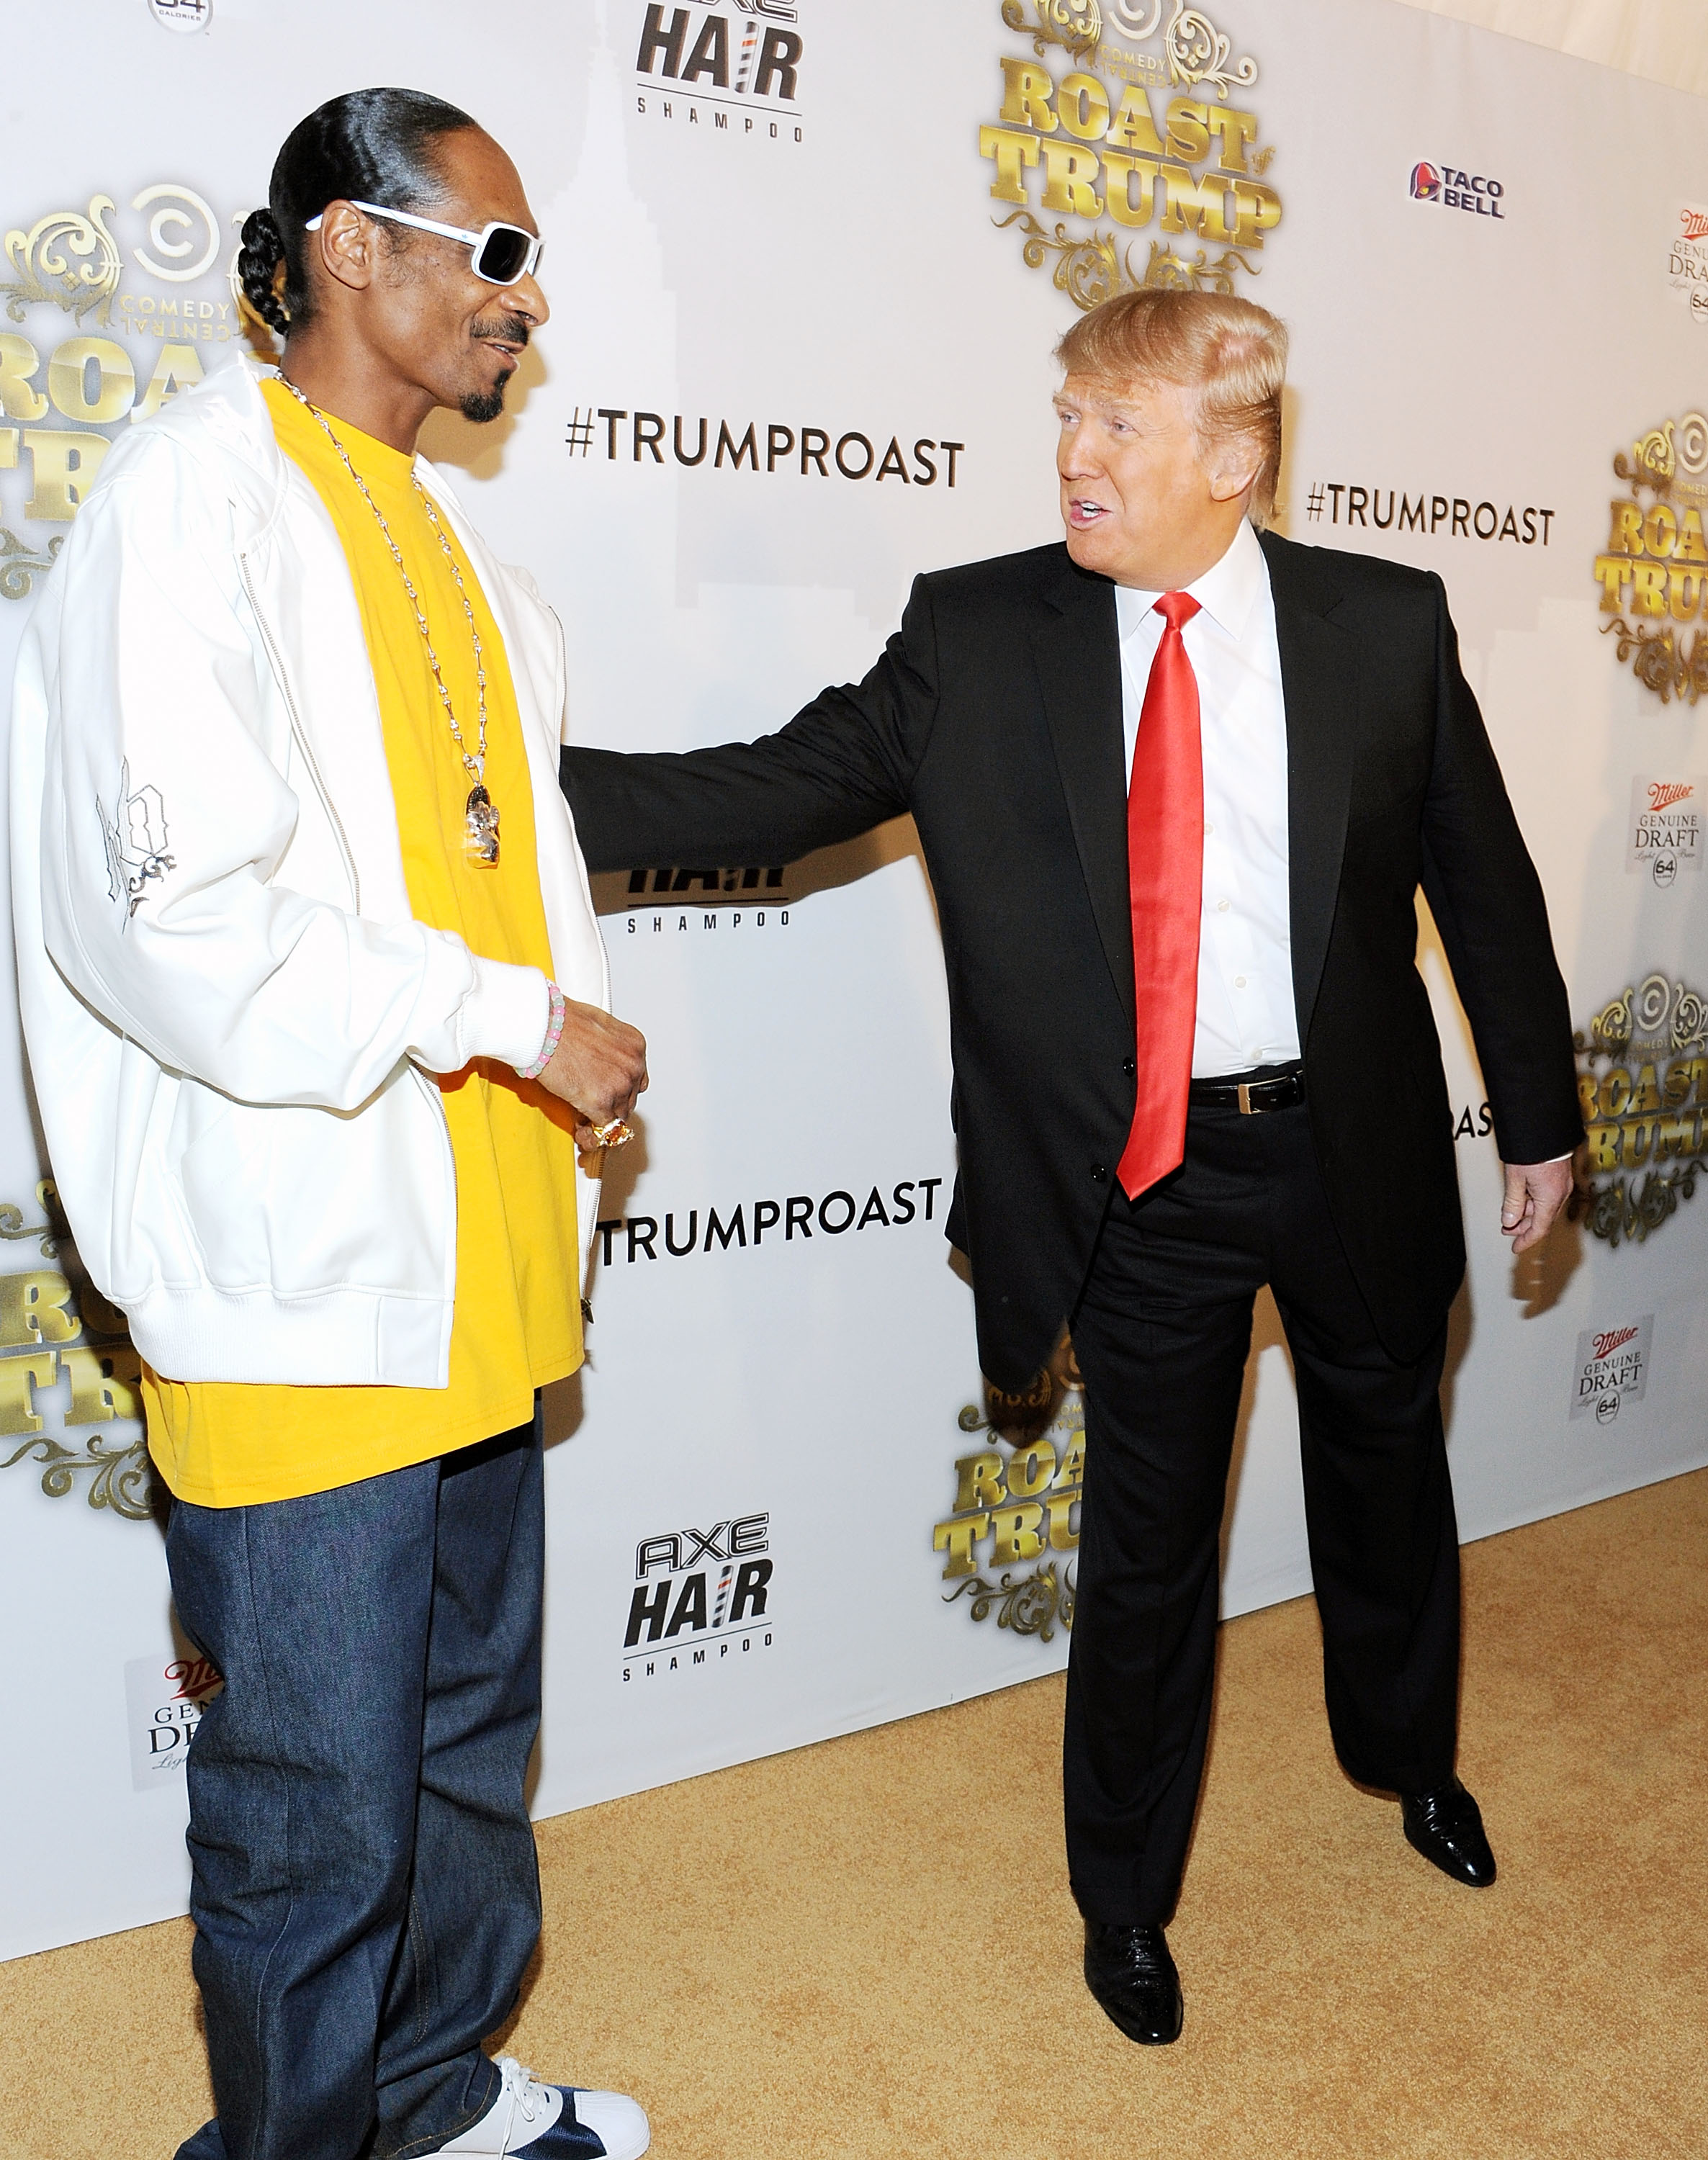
526	297
1077	458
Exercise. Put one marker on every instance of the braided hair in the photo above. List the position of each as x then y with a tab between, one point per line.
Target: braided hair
368	146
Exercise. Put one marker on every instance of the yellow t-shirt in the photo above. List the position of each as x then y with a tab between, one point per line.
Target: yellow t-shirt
518	1321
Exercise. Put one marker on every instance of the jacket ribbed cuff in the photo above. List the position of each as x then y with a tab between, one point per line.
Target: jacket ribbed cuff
505	1014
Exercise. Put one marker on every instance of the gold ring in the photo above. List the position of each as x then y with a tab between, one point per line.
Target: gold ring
616	1133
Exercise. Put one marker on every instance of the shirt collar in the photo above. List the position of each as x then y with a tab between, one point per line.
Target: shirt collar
1227	592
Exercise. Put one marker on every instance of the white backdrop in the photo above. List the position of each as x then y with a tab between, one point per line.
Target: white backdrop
782	1414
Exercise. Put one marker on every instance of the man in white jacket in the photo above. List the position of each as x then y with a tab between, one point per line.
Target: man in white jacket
316	1009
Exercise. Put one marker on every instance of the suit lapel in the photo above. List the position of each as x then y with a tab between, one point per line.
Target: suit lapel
1076	649
1320	691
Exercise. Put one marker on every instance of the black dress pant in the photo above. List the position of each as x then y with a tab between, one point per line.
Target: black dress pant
1162	1334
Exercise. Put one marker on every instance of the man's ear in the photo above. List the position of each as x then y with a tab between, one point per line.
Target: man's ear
347	244
1233	473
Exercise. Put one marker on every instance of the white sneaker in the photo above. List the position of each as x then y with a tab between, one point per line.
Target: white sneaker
554	2122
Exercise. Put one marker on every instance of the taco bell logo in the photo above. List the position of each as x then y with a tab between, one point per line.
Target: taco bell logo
1611	1369
1453	190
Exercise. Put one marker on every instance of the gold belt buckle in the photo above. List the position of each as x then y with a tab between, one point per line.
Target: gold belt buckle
1245	1099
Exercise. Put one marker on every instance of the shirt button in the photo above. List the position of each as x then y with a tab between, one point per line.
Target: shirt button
1221	908
1240	982
1099	1174
1129	1066
1209	828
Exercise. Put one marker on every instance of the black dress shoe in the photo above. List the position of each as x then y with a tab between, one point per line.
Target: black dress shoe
1446	1828
1132	1974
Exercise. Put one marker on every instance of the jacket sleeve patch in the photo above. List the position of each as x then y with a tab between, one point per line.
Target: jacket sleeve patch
136	842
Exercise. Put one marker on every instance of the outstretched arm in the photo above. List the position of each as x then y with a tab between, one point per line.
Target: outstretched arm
842	765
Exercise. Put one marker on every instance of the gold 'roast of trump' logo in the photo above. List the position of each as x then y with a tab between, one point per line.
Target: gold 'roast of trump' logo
1642	1082
1654	568
1017	1496
57	1331
1137	129
115	311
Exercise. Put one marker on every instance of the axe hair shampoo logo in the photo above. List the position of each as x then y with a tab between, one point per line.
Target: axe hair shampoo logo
700	1598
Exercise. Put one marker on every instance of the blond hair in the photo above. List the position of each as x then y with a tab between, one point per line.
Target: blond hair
1231	351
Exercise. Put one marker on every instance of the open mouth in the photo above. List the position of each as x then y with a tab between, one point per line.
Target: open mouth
1082	513
505	333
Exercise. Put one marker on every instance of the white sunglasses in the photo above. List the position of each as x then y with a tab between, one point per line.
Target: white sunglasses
502	254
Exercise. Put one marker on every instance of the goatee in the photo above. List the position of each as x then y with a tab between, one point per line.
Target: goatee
482	405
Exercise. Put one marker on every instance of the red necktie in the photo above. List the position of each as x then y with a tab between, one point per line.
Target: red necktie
1166	878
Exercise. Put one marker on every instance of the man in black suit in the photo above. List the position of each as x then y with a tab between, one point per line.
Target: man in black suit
1177	787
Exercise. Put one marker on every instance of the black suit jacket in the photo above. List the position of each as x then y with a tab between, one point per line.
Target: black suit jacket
995	717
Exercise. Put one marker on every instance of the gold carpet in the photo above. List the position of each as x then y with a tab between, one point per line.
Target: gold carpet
867	1948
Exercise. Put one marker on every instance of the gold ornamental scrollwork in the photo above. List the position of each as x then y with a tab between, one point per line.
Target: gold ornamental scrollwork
1031	1607
1653	462
1198	52
1075	25
21	564
1662	661
44	272
123	1480
12	1226
1199	275
1093	270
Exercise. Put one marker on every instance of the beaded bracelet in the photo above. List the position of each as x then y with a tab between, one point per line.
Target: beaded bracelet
554	1031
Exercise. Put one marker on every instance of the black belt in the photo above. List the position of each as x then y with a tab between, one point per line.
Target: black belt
1264	1087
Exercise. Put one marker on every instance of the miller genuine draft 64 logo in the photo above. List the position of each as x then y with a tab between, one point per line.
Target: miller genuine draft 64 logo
1656	563
1008	1540
1119	115
1643	1081
116	310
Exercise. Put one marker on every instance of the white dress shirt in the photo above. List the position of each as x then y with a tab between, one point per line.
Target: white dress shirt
1246	1014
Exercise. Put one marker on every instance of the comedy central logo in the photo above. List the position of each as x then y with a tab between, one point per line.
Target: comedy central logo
1116	115
701	1597
1007	1539
1642	1083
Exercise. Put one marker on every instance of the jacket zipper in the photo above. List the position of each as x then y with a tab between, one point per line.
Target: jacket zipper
299	737
428	1091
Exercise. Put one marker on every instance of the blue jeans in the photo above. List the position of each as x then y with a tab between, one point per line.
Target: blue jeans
366	1892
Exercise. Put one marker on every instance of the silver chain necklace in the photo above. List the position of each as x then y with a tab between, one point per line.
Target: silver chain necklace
480	811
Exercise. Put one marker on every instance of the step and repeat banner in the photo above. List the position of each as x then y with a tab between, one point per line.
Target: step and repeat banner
807	262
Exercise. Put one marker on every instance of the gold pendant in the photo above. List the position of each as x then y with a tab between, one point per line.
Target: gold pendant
480	827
